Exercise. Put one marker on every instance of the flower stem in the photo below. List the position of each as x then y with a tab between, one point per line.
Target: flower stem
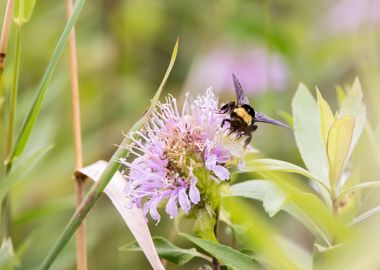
75	106
215	263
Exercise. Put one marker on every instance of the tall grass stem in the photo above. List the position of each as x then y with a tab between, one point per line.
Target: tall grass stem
4	39
5	210
81	249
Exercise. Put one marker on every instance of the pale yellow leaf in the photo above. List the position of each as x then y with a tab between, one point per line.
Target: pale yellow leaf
326	116
338	146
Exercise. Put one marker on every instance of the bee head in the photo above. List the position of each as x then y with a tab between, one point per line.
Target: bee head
249	110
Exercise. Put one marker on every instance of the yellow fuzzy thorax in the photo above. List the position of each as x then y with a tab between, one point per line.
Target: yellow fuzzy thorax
242	113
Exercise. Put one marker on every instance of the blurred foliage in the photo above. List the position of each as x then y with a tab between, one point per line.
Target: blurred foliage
123	47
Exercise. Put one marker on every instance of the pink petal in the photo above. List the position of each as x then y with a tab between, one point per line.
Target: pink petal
184	200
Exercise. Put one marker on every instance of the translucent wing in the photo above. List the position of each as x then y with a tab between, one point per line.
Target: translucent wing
240	96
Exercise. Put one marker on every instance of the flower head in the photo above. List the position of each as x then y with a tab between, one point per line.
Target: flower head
171	148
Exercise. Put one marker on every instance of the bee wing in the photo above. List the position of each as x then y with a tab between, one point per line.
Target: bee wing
260	117
240	96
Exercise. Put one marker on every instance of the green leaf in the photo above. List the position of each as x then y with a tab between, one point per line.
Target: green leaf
21	169
266	191
259	235
307	131
205	222
322	253
224	254
305	207
257	165
349	202
34	110
169	251
8	259
353	105
302	258
23	11
326	117
360	186
340	95
370	213
338	147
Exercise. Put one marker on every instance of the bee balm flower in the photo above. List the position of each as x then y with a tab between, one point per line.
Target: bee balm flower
172	148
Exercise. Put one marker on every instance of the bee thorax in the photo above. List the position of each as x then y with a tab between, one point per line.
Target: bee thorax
242	113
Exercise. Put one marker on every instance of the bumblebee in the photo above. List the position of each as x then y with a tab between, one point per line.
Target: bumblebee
242	117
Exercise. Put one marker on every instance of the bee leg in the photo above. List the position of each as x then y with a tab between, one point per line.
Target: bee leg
249	135
231	130
248	140
224	121
226	107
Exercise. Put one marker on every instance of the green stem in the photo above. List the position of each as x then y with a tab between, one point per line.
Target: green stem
5	204
13	101
215	263
84	208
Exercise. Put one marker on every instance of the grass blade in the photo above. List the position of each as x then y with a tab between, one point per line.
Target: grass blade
23	167
34	110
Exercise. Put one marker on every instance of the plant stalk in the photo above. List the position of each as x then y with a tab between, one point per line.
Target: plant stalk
5	204
81	251
215	263
4	39
13	96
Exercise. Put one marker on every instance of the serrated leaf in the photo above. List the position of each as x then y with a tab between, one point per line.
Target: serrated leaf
226	255
307	133
338	146
169	251
326	117
23	11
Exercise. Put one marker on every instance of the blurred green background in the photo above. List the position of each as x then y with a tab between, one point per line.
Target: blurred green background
123	50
